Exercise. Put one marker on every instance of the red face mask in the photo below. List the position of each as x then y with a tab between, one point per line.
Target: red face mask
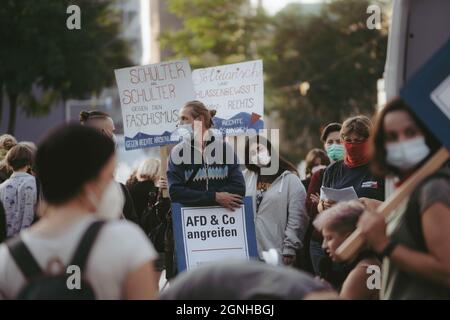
356	154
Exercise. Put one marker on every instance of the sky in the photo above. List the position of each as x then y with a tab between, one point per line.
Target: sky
273	6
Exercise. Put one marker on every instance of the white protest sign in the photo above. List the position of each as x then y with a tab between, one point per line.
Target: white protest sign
150	97
209	234
236	92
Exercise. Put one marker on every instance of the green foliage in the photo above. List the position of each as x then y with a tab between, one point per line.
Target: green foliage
337	55
214	32
332	50
38	51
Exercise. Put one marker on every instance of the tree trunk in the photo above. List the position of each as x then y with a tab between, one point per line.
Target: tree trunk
12	112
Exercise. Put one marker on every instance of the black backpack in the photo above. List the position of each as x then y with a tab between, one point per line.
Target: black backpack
42	285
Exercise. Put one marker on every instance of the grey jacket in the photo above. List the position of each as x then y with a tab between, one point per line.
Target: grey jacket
282	220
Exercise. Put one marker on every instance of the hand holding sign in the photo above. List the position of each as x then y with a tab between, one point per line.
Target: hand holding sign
229	200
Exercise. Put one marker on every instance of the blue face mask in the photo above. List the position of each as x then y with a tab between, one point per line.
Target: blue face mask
336	152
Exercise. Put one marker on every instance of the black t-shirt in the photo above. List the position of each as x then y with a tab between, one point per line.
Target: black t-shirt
339	176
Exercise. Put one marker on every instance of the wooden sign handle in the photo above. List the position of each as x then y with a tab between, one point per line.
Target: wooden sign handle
163	152
355	241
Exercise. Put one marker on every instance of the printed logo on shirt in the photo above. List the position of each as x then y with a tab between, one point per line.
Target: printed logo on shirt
370	184
213	173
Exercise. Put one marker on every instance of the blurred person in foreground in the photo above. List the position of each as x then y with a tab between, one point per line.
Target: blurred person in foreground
246	280
75	165
336	224
415	240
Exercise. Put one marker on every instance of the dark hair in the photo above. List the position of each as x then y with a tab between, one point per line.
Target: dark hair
283	163
312	156
379	165
85	116
360	125
19	156
329	128
69	157
199	109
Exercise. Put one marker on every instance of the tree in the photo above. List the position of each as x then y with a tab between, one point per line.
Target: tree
215	32
41	54
335	56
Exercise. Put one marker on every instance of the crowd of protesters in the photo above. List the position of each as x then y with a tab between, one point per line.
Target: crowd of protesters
60	199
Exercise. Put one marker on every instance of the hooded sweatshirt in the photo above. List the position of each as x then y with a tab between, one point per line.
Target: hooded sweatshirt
281	221
216	173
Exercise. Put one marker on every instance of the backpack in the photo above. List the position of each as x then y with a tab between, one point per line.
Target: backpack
42	285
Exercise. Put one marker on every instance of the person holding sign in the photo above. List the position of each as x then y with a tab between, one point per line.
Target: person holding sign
415	243
203	169
278	201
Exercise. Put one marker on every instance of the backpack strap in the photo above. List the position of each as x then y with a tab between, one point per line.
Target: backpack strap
81	254
23	258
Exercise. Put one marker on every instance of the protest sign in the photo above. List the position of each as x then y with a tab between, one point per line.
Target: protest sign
209	234
150	97
236	92
428	94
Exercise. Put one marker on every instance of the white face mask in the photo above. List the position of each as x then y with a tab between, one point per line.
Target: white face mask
261	159
187	127
110	206
407	154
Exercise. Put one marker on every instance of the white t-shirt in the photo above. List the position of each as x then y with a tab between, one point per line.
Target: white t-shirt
120	248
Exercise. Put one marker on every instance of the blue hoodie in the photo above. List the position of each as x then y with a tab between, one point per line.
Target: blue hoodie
214	174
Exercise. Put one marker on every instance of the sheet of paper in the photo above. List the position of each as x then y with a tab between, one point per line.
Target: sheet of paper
337	195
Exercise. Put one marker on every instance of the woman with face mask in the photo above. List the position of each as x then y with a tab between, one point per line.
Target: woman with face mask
331	140
203	170
120	262
210	174
415	241
278	200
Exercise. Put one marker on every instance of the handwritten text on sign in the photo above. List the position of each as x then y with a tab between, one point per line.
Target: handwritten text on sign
150	97
236	91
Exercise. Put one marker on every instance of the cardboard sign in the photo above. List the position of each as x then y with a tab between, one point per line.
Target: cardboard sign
151	97
236	92
428	94
209	234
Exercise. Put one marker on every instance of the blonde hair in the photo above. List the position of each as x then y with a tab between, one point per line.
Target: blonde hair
148	170
7	141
